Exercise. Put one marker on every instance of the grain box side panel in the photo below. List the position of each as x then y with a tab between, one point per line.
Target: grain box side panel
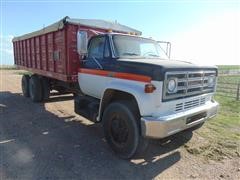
37	51
25	53
46	46
20	51
32	47
50	52
28	53
23	62
59	52
43	52
72	55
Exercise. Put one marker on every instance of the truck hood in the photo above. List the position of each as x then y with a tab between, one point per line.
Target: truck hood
169	64
156	68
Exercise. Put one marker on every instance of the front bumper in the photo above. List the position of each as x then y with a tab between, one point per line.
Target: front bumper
164	126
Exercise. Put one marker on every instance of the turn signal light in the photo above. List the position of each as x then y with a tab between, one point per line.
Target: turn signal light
149	88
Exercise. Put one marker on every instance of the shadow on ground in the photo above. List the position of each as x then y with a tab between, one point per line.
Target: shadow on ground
37	144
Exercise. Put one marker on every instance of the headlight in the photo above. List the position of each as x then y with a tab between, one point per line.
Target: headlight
211	81
172	85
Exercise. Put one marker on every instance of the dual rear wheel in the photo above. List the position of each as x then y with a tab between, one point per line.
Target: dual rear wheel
35	87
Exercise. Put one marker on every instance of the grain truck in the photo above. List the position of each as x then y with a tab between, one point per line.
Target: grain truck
119	78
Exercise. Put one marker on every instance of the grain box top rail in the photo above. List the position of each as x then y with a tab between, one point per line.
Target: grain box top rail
93	23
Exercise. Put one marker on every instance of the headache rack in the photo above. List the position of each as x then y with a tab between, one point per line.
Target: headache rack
189	83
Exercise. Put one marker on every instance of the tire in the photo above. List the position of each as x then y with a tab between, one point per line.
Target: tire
35	88
45	88
25	85
122	129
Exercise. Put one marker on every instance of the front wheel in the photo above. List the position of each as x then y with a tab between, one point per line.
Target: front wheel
122	129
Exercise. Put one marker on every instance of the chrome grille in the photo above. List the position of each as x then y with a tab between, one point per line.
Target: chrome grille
190	104
189	83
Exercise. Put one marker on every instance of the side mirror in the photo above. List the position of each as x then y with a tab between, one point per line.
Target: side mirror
82	41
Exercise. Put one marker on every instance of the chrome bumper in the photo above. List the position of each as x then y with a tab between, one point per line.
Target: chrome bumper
160	127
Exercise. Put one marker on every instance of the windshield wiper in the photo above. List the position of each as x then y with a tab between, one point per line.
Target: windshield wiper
130	54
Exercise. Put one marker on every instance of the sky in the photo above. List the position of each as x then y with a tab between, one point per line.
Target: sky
202	32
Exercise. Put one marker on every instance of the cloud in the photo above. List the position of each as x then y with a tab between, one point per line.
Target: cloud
6	49
215	40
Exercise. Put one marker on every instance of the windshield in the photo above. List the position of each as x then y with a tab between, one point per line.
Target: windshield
137	47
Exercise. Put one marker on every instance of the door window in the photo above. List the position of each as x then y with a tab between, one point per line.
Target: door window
96	48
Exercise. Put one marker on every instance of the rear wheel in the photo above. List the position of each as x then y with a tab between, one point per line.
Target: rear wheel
35	88
122	129
45	88
25	85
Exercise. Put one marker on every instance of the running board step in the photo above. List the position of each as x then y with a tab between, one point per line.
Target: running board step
86	107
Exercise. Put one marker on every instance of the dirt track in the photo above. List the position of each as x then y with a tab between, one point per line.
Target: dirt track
49	141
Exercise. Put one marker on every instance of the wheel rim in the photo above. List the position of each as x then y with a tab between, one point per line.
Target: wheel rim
119	130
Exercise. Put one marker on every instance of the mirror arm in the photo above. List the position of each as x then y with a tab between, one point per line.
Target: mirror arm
168	48
169	53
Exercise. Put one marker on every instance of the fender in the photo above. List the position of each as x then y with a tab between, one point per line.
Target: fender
147	102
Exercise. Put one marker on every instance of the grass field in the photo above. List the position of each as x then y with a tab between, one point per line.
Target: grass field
7	67
228	67
229	79
221	135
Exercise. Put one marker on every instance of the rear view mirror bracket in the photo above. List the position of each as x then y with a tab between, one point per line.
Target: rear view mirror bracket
167	47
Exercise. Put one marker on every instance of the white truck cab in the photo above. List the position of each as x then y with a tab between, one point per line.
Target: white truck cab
130	85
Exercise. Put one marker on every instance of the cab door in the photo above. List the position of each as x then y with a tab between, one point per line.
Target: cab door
93	77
